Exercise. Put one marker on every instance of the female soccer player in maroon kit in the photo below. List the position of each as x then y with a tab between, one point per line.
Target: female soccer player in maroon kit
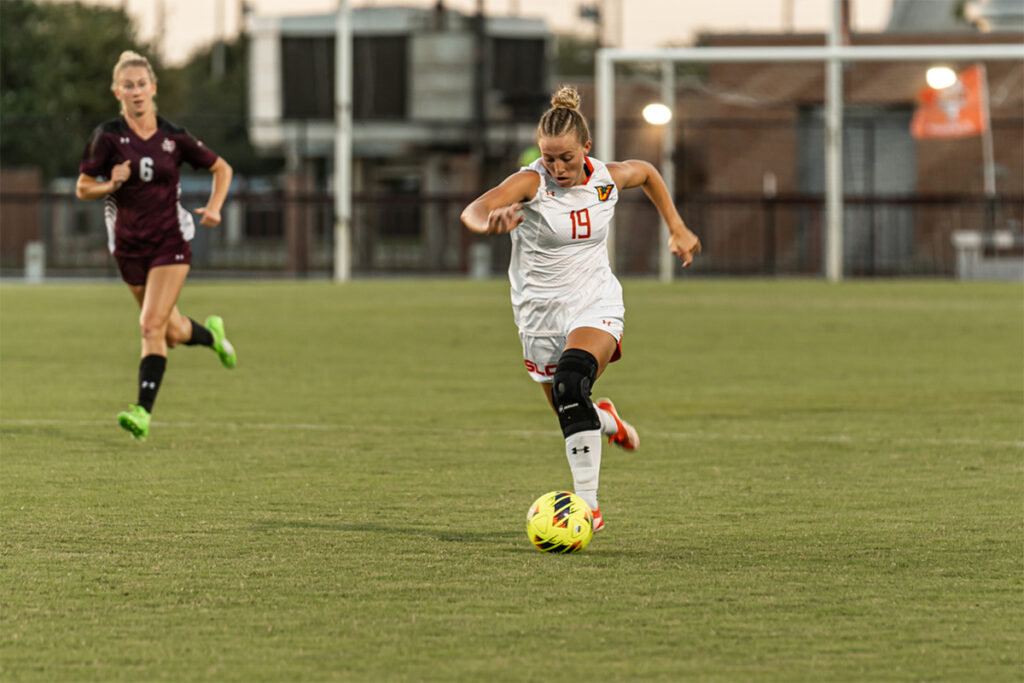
148	230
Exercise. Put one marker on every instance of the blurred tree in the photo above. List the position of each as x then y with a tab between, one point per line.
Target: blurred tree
55	71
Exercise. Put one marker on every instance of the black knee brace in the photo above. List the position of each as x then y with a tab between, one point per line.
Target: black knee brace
574	375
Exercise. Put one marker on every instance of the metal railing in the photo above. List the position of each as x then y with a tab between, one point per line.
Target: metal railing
291	235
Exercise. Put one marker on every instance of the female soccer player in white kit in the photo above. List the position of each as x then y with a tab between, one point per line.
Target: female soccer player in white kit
566	301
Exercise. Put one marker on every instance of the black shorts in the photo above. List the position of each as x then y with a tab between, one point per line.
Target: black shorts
134	269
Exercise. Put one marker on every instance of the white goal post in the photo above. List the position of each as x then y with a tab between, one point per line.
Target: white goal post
832	55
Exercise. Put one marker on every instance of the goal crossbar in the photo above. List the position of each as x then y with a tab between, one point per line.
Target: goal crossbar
832	56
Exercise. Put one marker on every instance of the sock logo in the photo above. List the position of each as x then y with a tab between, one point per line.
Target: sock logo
576	451
148	385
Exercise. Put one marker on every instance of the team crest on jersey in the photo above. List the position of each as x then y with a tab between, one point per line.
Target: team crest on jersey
604	192
168	145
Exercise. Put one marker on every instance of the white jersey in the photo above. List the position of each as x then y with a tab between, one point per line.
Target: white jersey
559	266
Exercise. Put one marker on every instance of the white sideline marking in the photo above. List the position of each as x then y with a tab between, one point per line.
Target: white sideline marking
271	426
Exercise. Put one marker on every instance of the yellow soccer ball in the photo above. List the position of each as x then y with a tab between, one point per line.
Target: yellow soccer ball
560	522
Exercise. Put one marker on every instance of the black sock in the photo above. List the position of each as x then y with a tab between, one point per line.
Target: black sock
151	371
200	336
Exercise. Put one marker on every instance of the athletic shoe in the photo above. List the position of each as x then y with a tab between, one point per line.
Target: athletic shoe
598	520
225	351
135	420
626	437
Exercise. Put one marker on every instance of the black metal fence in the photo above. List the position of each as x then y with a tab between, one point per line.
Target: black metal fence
274	233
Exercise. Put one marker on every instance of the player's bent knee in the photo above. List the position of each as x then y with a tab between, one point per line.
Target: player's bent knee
153	327
574	377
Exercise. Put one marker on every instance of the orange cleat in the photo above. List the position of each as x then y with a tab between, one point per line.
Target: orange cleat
598	523
627	436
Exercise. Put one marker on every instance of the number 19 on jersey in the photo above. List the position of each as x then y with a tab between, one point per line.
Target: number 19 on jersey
580	224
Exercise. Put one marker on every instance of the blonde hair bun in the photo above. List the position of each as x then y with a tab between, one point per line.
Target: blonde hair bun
131	58
566	98
564	117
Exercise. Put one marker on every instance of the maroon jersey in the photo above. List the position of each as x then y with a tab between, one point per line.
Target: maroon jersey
145	212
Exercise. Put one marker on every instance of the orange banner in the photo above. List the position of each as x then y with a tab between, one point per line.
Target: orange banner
959	111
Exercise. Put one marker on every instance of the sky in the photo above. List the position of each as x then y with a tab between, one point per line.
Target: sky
190	24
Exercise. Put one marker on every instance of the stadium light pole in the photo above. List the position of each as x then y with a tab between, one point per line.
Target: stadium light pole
987	148
834	151
343	143
605	137
668	163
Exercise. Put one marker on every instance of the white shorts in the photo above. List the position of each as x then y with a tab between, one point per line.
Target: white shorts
541	353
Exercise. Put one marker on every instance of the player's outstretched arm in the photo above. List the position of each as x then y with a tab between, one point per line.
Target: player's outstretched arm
635	173
496	211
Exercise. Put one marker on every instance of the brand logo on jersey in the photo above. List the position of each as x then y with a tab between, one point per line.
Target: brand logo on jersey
549	193
168	145
125	141
604	192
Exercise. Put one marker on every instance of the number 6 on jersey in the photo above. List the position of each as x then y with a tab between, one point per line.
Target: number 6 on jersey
580	220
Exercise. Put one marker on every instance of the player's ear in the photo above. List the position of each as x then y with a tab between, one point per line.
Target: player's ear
586	147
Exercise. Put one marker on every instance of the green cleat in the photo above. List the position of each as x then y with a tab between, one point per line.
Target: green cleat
135	420
225	351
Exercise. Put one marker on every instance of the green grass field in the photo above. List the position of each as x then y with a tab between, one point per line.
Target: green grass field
829	488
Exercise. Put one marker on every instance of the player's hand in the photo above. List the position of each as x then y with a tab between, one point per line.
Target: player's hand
503	220
210	217
120	174
685	245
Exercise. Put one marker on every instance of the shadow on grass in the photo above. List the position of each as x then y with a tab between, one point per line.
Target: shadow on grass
501	540
445	535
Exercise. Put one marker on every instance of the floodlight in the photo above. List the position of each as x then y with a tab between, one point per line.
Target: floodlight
940	77
657	114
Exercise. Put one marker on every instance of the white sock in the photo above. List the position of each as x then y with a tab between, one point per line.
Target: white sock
608	426
583	449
